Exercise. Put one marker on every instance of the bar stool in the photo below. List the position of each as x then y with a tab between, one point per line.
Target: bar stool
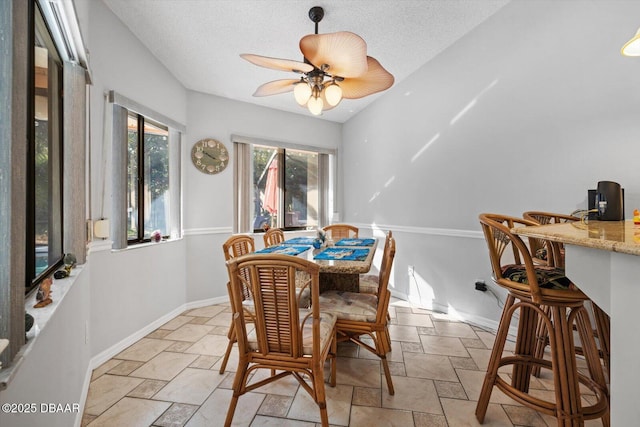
532	288
556	259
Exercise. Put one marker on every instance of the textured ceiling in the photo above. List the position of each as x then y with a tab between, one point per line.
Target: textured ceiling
200	41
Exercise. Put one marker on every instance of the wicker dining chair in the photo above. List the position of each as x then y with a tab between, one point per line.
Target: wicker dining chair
336	232
601	320
361	314
286	338
235	246
368	283
273	236
531	288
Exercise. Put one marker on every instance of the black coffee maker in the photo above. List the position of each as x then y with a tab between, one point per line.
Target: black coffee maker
606	202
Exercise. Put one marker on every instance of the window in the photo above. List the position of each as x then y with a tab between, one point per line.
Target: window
44	178
282	186
148	199
146	172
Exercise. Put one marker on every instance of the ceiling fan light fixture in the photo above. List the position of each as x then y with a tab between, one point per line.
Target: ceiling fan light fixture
632	47
315	105
335	66
302	92
333	94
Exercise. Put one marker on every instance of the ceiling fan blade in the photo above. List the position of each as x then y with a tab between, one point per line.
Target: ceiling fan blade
277	63
275	87
376	79
344	52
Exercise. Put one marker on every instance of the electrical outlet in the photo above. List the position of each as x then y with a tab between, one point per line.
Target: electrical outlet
411	270
481	286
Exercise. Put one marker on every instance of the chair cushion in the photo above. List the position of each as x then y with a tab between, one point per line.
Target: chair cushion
548	277
356	306
368	284
327	323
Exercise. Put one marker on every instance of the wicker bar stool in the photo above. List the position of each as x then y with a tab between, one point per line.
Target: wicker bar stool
540	292
554	256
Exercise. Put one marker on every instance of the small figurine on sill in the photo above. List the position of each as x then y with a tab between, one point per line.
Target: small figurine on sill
69	262
44	292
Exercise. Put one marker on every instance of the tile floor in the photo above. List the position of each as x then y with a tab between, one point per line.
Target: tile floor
170	378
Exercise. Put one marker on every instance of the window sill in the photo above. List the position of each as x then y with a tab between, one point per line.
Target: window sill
107	245
41	317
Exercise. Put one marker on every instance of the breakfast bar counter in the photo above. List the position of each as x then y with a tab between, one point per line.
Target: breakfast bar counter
601	258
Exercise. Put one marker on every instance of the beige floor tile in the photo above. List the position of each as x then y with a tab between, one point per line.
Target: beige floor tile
222	319
429	420
204	362
404	333
189	332
522	416
472	383
412	394
364	396
125	368
144	350
104	368
212	345
446	346
338	405
412	319
450	389
265	421
107	390
177	415
358	372
164	366
209	311
176	322
275	405
461	413
214	410
429	366
147	389
454	329
131	412
287	386
190	386
159	334
395	355
362	416
480	357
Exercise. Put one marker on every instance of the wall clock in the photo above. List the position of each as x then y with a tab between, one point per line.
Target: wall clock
210	156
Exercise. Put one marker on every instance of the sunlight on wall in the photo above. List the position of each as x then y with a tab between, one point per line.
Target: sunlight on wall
423	149
472	103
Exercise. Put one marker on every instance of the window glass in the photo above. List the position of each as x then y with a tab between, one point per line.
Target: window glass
301	189
156	178
148	201
45	182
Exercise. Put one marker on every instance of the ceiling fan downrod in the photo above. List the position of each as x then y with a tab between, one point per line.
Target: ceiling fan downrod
316	14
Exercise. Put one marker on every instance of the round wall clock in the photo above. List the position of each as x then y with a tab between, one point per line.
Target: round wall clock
209	156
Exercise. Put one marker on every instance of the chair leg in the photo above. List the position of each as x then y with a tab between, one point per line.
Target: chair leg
494	361
525	346
382	350
232	339
320	396
603	327
333	361
541	341
592	356
238	387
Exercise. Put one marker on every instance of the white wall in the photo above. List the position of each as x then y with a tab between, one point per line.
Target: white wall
132	288
208	212
528	111
54	368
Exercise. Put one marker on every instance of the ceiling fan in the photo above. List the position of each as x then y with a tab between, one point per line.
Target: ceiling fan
335	66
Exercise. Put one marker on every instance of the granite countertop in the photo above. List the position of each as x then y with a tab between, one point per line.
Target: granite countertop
615	236
344	266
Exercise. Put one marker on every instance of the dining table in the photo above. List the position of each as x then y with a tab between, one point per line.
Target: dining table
340	262
602	259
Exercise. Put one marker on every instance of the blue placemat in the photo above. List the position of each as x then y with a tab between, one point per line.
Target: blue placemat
284	250
356	242
299	241
343	254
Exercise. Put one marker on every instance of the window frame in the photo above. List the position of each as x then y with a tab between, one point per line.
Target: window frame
142	174
243	181
117	109
32	280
